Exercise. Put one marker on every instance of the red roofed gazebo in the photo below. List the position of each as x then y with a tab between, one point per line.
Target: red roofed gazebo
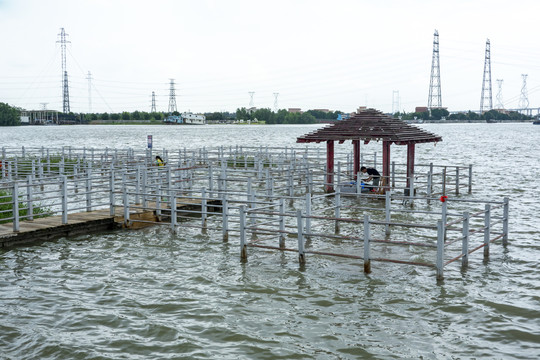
368	125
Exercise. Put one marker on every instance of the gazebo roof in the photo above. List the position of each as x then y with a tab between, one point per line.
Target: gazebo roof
371	124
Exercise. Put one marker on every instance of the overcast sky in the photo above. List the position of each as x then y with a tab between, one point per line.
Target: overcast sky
334	54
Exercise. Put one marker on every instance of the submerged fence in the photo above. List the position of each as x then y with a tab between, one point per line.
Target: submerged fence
264	197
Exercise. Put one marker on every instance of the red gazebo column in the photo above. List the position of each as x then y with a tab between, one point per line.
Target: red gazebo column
410	163
329	186
356	157
386	161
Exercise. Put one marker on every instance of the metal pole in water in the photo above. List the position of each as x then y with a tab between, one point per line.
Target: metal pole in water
337	210
457	180
172	197
281	223
387	206
203	208
440	249
505	221
243	246
225	215
429	186
470	178
487	230
301	254
308	214
367	259
465	240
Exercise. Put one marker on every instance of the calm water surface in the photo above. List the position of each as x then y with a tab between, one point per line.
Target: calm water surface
150	294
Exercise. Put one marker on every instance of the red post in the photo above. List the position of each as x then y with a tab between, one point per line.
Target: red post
410	162
386	161
329	186
356	160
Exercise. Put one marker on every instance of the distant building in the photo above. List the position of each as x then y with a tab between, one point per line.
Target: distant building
295	110
38	117
323	110
343	116
193	119
421	109
251	110
186	118
360	109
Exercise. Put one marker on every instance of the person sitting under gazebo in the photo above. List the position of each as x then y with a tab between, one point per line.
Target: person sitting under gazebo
373	175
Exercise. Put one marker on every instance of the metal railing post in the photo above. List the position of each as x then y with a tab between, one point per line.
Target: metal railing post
367	255
337	211
15	206
29	198
487	230
204	209
111	193
440	249
125	200
387	206
308	214
172	197
89	190
225	216
505	221
465	240
64	200
457	180
243	245
301	254
429	186
281	223
470	178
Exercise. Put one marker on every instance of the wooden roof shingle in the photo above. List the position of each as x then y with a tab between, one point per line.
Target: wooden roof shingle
371	124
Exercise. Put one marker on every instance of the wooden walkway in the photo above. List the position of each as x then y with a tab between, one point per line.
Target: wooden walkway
51	227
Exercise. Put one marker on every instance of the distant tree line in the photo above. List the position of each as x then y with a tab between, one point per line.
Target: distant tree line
439	114
283	116
9	115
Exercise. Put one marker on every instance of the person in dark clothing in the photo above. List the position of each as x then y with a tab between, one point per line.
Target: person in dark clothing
373	175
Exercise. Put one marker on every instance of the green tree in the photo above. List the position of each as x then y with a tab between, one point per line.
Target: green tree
262	115
115	116
242	114
438	114
126	115
9	116
104	116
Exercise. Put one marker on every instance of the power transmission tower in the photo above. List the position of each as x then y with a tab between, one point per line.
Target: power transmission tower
172	98
499	95
89	92
395	101
524	99
486	100
65	87
275	102
251	93
434	99
153	108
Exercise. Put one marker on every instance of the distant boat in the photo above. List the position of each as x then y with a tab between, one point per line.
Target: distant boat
536	122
